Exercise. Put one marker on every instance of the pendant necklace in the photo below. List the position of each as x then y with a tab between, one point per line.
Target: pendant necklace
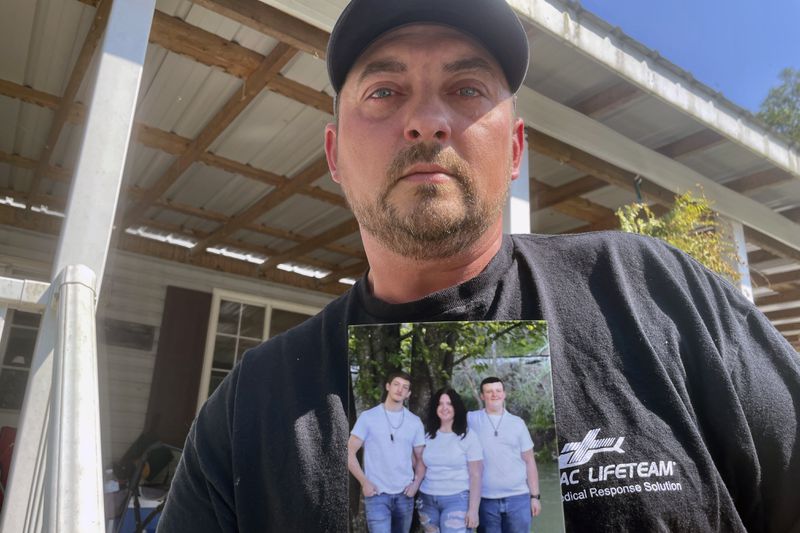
391	427
497	427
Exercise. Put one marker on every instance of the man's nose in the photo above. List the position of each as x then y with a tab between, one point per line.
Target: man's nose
428	119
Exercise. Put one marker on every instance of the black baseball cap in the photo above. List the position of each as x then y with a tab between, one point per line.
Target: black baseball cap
491	22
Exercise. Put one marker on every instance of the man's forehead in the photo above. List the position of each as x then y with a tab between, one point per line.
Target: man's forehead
400	381
496	385
422	34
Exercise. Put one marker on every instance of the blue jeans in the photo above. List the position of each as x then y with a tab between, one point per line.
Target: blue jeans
389	513
505	515
447	513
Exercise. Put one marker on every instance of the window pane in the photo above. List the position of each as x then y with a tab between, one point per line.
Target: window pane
228	317
224	352
283	320
12	388
26	319
20	347
252	322
216	379
244	345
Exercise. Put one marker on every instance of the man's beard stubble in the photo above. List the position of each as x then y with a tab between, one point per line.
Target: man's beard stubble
428	230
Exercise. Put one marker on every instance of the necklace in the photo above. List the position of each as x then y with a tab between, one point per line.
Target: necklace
391	427
497	427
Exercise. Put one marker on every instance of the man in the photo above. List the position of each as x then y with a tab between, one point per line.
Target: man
393	439
510	489
676	401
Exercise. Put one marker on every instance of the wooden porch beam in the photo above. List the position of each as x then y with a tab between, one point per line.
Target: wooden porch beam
64	175
780	298
63	111
549	196
760	256
792	312
50	225
348	227
183	38
695	142
253	85
573	206
305	177
790	326
608	100
273	22
758	180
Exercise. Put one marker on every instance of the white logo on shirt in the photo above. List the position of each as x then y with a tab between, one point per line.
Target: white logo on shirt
578	453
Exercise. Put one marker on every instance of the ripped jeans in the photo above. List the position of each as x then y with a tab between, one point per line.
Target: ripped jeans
443	514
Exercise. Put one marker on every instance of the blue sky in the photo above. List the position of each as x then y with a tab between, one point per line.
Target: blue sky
737	47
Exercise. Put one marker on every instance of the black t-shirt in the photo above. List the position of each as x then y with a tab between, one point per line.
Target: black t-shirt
664	376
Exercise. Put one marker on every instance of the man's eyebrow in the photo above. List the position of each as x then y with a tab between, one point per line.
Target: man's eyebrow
469	63
382	65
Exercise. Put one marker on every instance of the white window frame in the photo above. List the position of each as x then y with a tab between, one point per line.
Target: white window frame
269	305
6	414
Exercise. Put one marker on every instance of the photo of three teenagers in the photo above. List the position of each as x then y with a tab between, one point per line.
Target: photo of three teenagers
452	428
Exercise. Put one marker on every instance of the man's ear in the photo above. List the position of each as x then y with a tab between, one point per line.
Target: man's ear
331	153
517	146
386	386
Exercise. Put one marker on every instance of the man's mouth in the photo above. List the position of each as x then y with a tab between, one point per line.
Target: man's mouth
426	173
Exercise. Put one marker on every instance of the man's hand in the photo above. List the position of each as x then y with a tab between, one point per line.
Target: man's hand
472	518
411	489
368	488
536	506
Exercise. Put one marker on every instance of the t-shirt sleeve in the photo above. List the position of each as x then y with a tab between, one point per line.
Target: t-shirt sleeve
361	428
474	450
201	494
525	441
419	434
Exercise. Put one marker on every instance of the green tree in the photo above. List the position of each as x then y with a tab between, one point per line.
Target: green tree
781	108
690	225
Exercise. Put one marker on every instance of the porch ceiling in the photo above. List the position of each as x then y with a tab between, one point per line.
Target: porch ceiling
227	152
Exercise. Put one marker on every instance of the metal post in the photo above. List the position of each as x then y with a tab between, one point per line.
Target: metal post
73	492
85	237
95	190
742	267
517	211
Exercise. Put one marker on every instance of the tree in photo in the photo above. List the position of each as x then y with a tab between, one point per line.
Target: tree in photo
781	108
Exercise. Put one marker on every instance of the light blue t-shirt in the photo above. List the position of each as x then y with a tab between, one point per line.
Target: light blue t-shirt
445	459
387	462
504	471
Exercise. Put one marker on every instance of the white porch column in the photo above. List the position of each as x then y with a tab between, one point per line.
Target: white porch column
517	211
84	240
742	266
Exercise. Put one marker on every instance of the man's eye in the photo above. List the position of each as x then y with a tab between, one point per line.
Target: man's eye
381	93
468	91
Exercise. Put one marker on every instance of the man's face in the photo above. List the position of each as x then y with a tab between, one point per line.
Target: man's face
493	395
426	142
398	390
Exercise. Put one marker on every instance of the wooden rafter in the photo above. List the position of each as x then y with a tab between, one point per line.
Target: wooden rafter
586	184
548	196
64	175
253	85
760	256
780	298
168	142
757	180
585	162
573	206
273	22
783	314
608	100
202	46
63	111
305	177
790	326
130	243
348	227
